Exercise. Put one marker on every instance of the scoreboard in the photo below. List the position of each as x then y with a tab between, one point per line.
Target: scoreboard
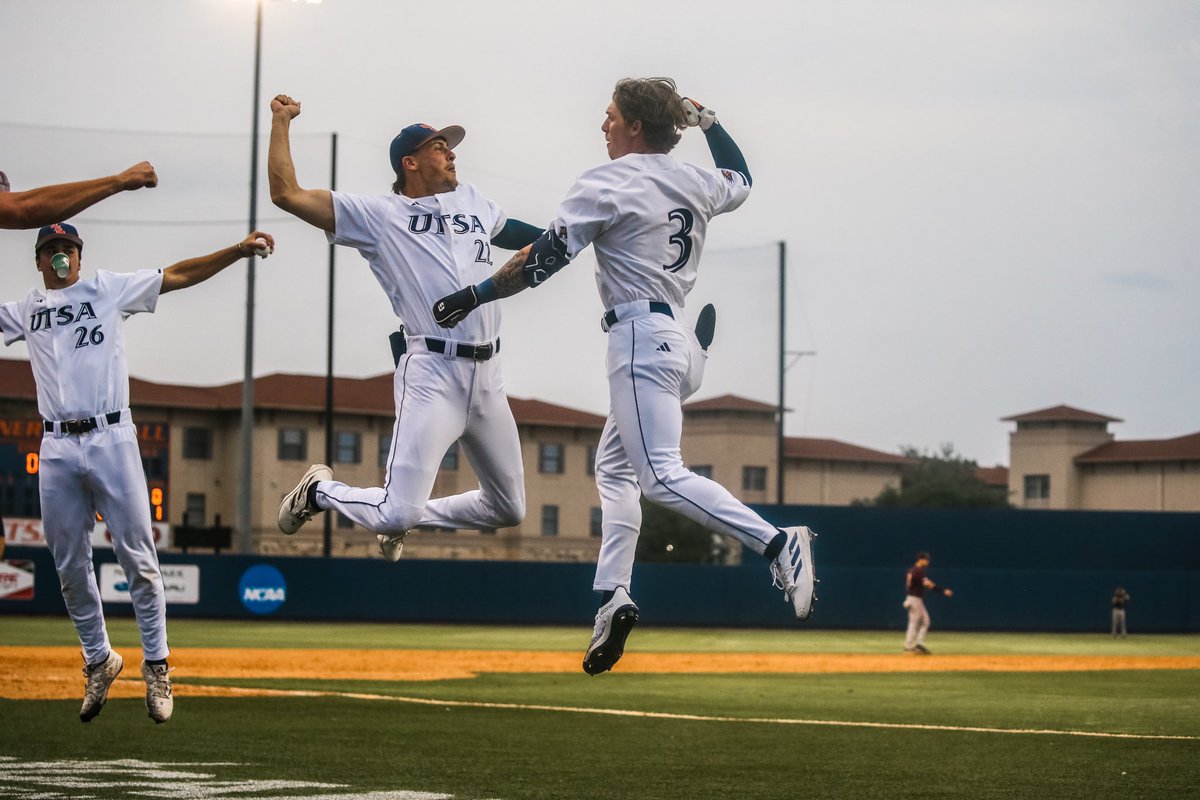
20	440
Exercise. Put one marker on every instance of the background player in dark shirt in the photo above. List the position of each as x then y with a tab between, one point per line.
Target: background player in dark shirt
915	584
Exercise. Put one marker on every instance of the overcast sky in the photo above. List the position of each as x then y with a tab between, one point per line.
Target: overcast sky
989	207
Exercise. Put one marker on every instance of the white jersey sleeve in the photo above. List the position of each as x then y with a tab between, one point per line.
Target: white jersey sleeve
726	189
587	211
358	221
10	323
132	292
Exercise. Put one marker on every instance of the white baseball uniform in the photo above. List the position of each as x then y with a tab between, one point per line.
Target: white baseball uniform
448	386
76	347
646	217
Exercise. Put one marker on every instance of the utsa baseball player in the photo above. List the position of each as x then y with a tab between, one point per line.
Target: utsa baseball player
44	205
89	457
426	238
646	216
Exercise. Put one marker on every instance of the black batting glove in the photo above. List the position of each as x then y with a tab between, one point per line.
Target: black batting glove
453	308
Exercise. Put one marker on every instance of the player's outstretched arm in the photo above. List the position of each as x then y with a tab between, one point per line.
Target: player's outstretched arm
50	204
530	267
197	270
314	206
725	152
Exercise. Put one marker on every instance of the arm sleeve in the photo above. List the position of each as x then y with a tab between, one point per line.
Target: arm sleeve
725	152
10	323
516	234
133	292
357	220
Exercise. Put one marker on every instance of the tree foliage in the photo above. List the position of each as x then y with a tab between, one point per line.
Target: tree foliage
668	537
941	479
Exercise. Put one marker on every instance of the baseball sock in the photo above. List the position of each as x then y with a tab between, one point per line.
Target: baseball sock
776	546
157	662
310	497
606	596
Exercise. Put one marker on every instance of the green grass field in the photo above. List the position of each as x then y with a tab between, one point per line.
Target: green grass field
748	735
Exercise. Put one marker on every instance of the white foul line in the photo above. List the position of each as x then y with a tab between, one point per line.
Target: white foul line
618	712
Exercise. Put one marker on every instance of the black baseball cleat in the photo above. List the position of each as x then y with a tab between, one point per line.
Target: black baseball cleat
614	621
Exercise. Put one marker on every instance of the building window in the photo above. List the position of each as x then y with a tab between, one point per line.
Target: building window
450	460
1037	487
550	459
549	520
595	518
385	448
195	512
591	459
293	444
754	479
347	447
344	522
703	470
197	443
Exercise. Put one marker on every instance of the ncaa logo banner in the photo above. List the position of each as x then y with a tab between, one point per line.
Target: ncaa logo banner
262	589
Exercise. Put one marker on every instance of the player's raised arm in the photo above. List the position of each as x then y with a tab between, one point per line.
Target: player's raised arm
725	152
196	270
314	206
50	204
531	266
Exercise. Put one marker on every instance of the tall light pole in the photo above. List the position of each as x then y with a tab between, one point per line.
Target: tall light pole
327	546
245	537
784	366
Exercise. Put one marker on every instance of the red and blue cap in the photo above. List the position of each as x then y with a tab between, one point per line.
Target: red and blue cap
59	230
408	140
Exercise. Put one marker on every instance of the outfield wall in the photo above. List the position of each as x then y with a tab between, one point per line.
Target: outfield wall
1011	570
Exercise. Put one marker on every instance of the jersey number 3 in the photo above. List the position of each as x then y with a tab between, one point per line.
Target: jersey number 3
682	238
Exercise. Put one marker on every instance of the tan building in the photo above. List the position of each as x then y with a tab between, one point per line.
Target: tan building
191	446
1066	458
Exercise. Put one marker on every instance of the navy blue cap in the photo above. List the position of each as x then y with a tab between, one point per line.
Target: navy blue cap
408	140
59	230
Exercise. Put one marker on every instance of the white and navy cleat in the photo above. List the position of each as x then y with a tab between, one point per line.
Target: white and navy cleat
295	509
614	621
792	570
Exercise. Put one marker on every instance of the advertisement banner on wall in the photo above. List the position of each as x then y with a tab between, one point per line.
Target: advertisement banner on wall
29	533
16	580
181	583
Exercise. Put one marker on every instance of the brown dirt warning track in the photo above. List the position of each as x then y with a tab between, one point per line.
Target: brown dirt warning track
52	673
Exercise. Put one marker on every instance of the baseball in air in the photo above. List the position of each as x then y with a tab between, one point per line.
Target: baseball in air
261	248
670	547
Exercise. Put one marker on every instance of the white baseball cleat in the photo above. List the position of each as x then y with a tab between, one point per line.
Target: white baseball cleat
159	702
390	546
295	510
614	621
99	678
792	570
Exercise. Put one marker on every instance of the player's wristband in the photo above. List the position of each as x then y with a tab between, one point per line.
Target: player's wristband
486	291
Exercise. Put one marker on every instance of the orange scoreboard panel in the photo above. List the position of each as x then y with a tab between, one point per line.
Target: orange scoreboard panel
20	440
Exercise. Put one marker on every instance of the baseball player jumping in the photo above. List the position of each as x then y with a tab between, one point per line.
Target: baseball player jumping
647	214
428	237
89	457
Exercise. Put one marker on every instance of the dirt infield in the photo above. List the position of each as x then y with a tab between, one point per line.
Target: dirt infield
49	673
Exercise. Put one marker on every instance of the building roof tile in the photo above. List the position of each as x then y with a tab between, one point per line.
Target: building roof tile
1060	413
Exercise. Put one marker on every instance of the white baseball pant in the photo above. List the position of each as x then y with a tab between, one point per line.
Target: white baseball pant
654	364
441	399
80	474
918	622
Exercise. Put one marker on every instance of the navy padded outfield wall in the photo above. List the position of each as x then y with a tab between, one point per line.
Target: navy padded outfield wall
1010	571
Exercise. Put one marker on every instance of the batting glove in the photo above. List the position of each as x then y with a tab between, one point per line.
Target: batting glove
453	308
697	114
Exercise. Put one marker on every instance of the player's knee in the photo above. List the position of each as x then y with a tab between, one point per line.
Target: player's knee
396	519
509	511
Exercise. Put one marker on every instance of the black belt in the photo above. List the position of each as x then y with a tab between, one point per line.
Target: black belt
475	352
80	425
610	316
